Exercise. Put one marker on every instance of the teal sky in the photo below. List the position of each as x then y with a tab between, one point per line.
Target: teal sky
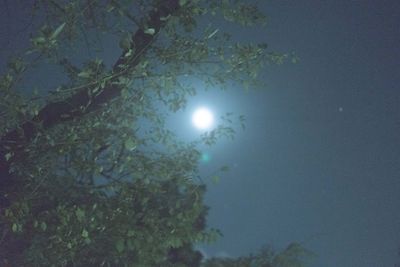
319	161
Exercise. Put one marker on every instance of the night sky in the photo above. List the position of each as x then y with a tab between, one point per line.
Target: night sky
319	160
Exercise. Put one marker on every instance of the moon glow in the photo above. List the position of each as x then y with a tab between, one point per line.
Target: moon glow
202	118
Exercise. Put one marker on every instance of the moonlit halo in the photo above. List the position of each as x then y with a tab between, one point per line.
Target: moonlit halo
203	118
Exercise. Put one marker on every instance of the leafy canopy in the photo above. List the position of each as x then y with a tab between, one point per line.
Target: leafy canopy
89	174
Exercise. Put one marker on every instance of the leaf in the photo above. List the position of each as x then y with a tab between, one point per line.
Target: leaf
120	245
85	233
38	40
57	31
17	66
295	59
182	2
242	121
43	226
110	7
175	242
130	233
165	18
124	93
128	53
130	144
80	214
14	227
215	179
8	156
84	74
125	42
150	31
224	168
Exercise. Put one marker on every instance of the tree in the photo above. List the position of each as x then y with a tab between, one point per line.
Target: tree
294	255
89	175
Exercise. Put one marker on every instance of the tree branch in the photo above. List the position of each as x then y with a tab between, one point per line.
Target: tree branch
83	102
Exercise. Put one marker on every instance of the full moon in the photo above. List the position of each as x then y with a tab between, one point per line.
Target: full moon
202	118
